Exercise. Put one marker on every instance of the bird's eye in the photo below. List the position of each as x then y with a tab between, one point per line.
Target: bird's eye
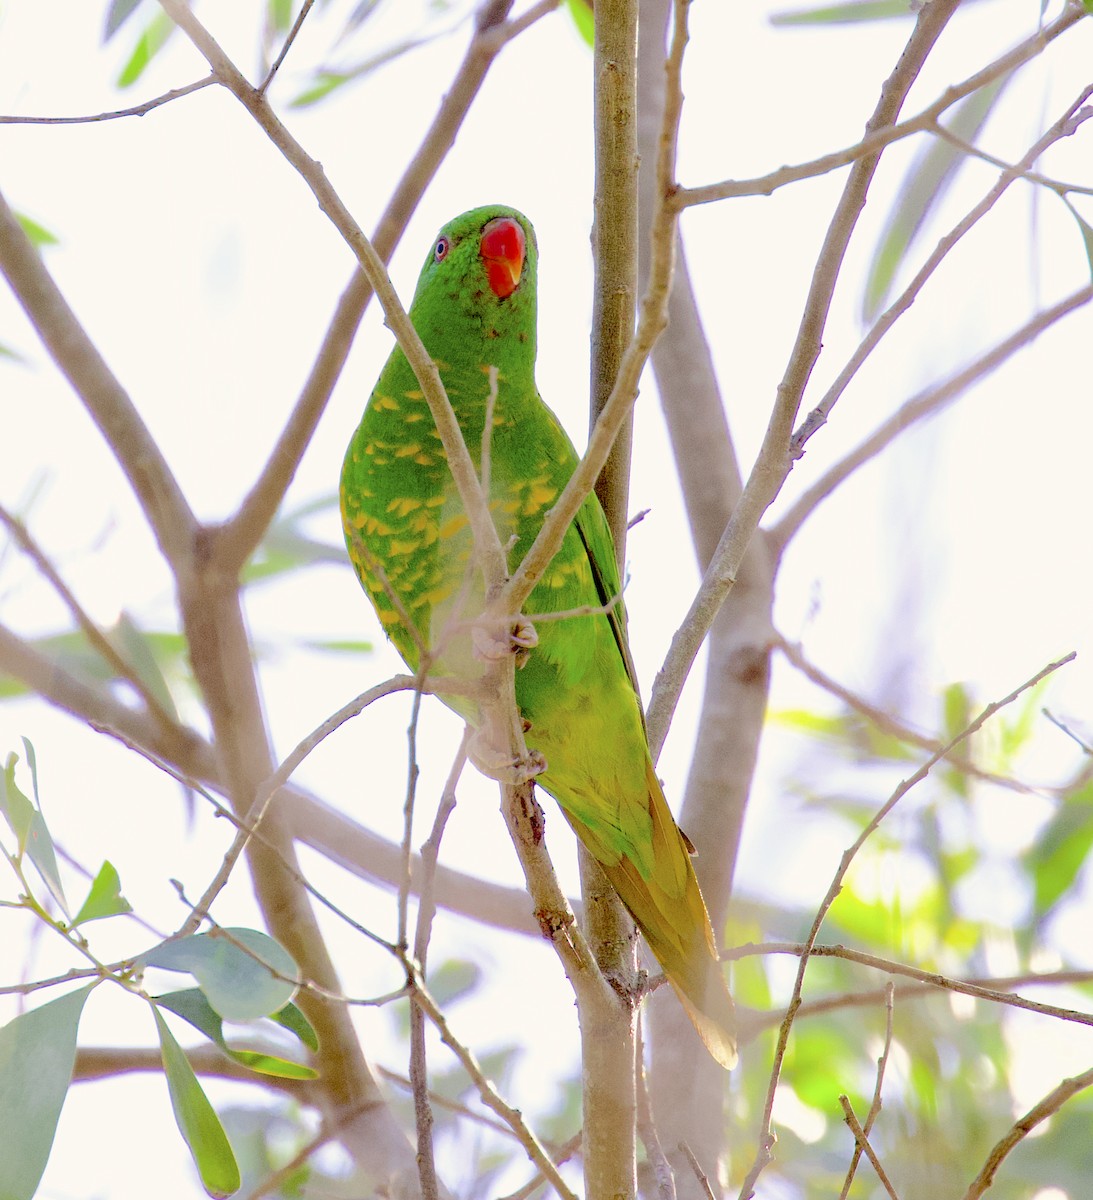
440	250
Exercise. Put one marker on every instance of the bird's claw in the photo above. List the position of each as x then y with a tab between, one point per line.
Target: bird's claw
493	644
499	763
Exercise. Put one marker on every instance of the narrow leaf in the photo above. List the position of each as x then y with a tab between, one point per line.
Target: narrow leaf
583	18
138	650
239	985
149	44
30	830
37	1055
116	15
192	1005
291	1018
1084	227
18	810
196	1119
105	898
852	13
927	181
38	234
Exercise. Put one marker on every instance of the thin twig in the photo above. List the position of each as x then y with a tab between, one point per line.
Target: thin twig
766	1139
1051	1103
512	1117
927	403
891	725
700	1175
98	640
419	1075
773	464
239	537
305	8
647	1129
989	988
876	140
1068	124
875	1107
269	789
863	1143
137	110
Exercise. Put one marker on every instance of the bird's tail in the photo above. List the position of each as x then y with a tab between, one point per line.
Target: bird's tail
670	912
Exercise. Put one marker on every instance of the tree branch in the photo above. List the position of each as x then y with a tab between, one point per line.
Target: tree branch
875	141
774	462
926	404
79	360
1051	1103
242	533
1065	126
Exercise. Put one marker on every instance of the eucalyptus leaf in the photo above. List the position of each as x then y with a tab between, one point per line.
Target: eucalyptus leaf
196	1118
104	899
37	1056
240	985
192	1005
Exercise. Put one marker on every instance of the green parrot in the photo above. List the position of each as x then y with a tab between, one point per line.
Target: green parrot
410	542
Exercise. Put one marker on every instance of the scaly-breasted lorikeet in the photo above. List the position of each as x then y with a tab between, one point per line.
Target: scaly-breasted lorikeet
408	535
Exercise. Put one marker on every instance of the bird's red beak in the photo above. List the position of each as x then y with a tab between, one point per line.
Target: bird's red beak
503	247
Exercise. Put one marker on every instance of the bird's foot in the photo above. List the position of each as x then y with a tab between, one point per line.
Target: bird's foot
493	643
499	763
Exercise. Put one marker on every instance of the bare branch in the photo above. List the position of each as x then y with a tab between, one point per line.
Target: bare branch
242	533
933	400
1051	1103
419	1077
79	360
863	1144
1065	126
301	17
875	1106
97	639
878	139
512	1117
137	110
773	463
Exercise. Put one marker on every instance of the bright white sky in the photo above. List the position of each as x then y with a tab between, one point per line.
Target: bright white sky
202	267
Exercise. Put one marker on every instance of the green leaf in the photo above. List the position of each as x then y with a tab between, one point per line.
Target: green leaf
104	899
279	14
291	1018
583	18
18	810
454	979
149	44
1084	228
137	649
38	234
37	1055
192	1005
930	174
1061	850
116	15
239	985
197	1121
852	13
29	827
327	82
